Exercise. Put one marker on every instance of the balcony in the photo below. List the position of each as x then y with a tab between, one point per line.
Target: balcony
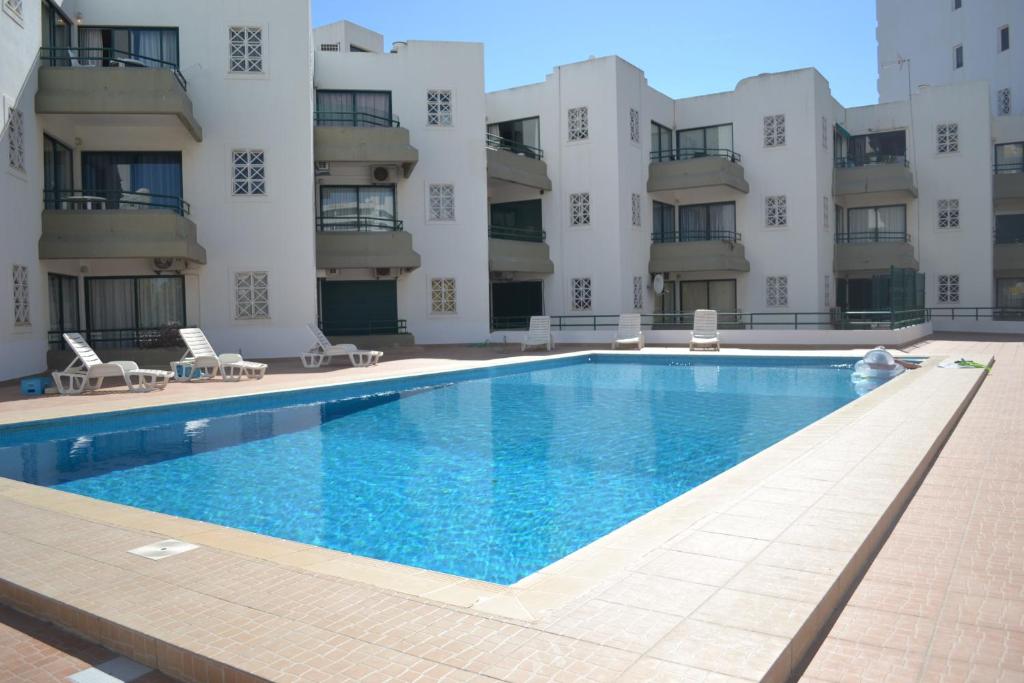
674	251
874	173
518	250
1008	185
514	162
1008	252
873	250
81	224
685	169
362	242
105	82
362	138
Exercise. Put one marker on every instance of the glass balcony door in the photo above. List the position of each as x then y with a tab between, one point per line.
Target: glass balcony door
134	180
707	141
122	310
707	222
357	207
353	108
109	46
58	179
521	136
1010	158
875	224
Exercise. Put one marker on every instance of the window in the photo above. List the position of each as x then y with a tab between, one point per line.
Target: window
56	34
875	224
827	290
702	222
15	139
824	133
439	108
661	142
14	7
139	180
947	138
718	295
117	308
1010	157
57	172
520	136
356	48
949	289
775	210
778	291
1003	101
825	211
357	207
21	307
1010	229
707	141
581	294
579	208
358	108
949	213
1004	38
442	202
330	47
252	296
889	147
638	292
957	4
635	200
63	303
246	49
442	295
249	176
775	130
958	57
105	45
664	229
520	220
579	125
634	125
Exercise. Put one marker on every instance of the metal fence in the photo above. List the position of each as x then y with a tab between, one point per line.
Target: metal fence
107	57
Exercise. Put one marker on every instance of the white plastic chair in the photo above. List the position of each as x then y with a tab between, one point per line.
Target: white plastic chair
87	372
204	362
705	330
539	334
323	350
630	332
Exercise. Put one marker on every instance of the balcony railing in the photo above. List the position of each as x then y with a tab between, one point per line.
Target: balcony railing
122	338
1010	235
358	224
976	313
694	153
863	236
872	159
353	119
709	235
89	57
520	234
733	320
105	200
497	142
369	327
1009	167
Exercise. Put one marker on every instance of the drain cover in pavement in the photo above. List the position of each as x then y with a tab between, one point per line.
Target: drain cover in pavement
162	549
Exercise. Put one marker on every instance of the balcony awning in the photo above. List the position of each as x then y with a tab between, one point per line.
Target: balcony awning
842	131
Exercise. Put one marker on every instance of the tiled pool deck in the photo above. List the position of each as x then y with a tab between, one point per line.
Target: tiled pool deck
733	581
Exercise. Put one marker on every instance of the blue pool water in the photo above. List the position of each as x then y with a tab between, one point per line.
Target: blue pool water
490	474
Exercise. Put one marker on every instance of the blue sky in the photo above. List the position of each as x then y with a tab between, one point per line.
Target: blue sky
686	47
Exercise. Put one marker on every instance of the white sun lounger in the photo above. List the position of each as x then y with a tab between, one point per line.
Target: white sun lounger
705	330
87	372
323	350
205	362
539	334
630	333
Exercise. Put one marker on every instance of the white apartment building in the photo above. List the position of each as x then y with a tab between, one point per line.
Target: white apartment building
149	186
927	43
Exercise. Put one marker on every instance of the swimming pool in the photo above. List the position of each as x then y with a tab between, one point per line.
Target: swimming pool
490	474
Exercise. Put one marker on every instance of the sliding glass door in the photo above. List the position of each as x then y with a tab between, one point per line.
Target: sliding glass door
357	207
125	310
107	45
58	180
354	108
134	179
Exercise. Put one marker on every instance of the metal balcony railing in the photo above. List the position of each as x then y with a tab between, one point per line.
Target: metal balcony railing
708	235
1009	167
872	159
519	234
684	153
353	119
357	224
107	200
862	236
88	57
497	142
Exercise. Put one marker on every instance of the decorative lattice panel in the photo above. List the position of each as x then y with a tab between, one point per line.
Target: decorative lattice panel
246	49
252	295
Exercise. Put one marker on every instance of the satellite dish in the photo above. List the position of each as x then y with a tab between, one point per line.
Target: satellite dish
658	283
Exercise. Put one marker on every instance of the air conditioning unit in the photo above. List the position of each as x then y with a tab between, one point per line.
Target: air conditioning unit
163	265
384	175
321	167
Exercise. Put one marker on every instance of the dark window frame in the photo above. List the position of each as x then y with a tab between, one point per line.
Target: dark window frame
135	292
50	193
170	29
62	325
958	56
355	91
705	134
706	206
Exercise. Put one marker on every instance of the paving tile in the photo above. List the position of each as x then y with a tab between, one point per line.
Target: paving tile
730	651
